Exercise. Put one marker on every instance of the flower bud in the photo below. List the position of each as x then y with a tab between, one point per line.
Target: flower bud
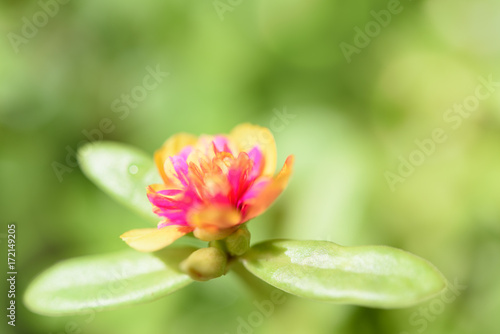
205	264
239	242
220	244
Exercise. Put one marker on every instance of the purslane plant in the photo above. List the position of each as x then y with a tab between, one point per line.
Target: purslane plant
209	187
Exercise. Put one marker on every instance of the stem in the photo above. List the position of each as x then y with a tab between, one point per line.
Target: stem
259	288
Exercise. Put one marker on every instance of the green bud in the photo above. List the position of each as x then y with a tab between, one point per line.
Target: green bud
205	264
239	242
220	244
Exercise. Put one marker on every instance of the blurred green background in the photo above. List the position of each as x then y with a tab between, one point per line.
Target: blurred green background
350	121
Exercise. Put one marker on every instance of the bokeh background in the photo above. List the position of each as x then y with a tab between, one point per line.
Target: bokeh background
349	123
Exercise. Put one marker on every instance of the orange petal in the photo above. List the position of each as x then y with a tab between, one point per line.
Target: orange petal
153	239
246	136
171	147
214	218
259	204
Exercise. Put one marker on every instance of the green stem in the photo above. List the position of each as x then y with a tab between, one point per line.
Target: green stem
259	288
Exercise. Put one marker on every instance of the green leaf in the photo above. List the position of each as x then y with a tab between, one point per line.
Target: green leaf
102	282
122	171
376	276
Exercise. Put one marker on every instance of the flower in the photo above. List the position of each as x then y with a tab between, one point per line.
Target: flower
211	185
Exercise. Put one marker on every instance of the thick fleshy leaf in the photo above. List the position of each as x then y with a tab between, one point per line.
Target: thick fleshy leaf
122	171
375	276
102	282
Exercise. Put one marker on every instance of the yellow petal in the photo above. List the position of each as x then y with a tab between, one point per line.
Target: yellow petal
269	194
153	239
171	147
246	136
